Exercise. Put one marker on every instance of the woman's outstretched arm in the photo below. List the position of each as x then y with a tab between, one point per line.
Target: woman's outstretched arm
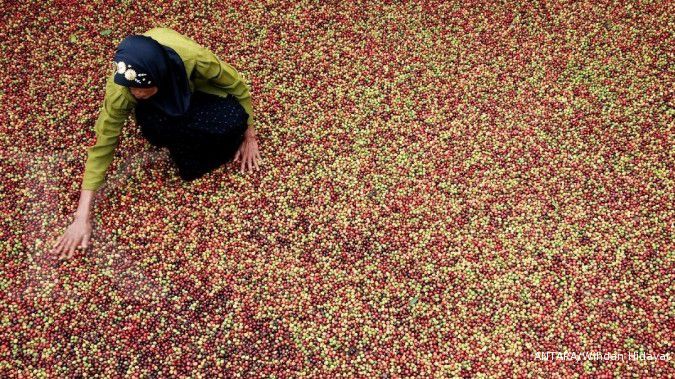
113	114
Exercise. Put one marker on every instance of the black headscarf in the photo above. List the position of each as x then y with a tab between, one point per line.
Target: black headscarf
143	62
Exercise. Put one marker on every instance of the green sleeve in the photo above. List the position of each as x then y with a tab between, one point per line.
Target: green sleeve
113	114
221	74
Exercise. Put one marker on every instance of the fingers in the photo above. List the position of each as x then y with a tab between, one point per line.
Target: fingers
85	243
71	250
72	247
249	159
67	248
64	248
257	155
59	240
55	248
236	156
62	245
245	163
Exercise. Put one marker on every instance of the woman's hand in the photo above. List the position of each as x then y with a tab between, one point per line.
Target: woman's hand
248	152
76	236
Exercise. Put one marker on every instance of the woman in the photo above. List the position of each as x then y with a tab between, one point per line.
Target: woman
184	99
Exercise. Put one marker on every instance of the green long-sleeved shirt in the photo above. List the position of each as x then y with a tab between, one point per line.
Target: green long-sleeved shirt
206	73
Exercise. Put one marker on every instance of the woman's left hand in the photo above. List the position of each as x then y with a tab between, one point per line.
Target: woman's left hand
248	152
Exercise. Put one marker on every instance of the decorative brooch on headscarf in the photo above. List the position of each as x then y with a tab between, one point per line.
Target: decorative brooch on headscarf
130	73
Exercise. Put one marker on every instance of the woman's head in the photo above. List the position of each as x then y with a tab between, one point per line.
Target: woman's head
141	65
154	73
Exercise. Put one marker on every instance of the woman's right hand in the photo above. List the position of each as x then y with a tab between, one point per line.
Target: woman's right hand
76	236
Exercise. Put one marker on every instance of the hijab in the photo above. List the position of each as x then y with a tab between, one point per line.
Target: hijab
143	62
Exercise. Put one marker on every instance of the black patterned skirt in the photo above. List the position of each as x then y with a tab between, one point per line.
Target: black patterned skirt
203	139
